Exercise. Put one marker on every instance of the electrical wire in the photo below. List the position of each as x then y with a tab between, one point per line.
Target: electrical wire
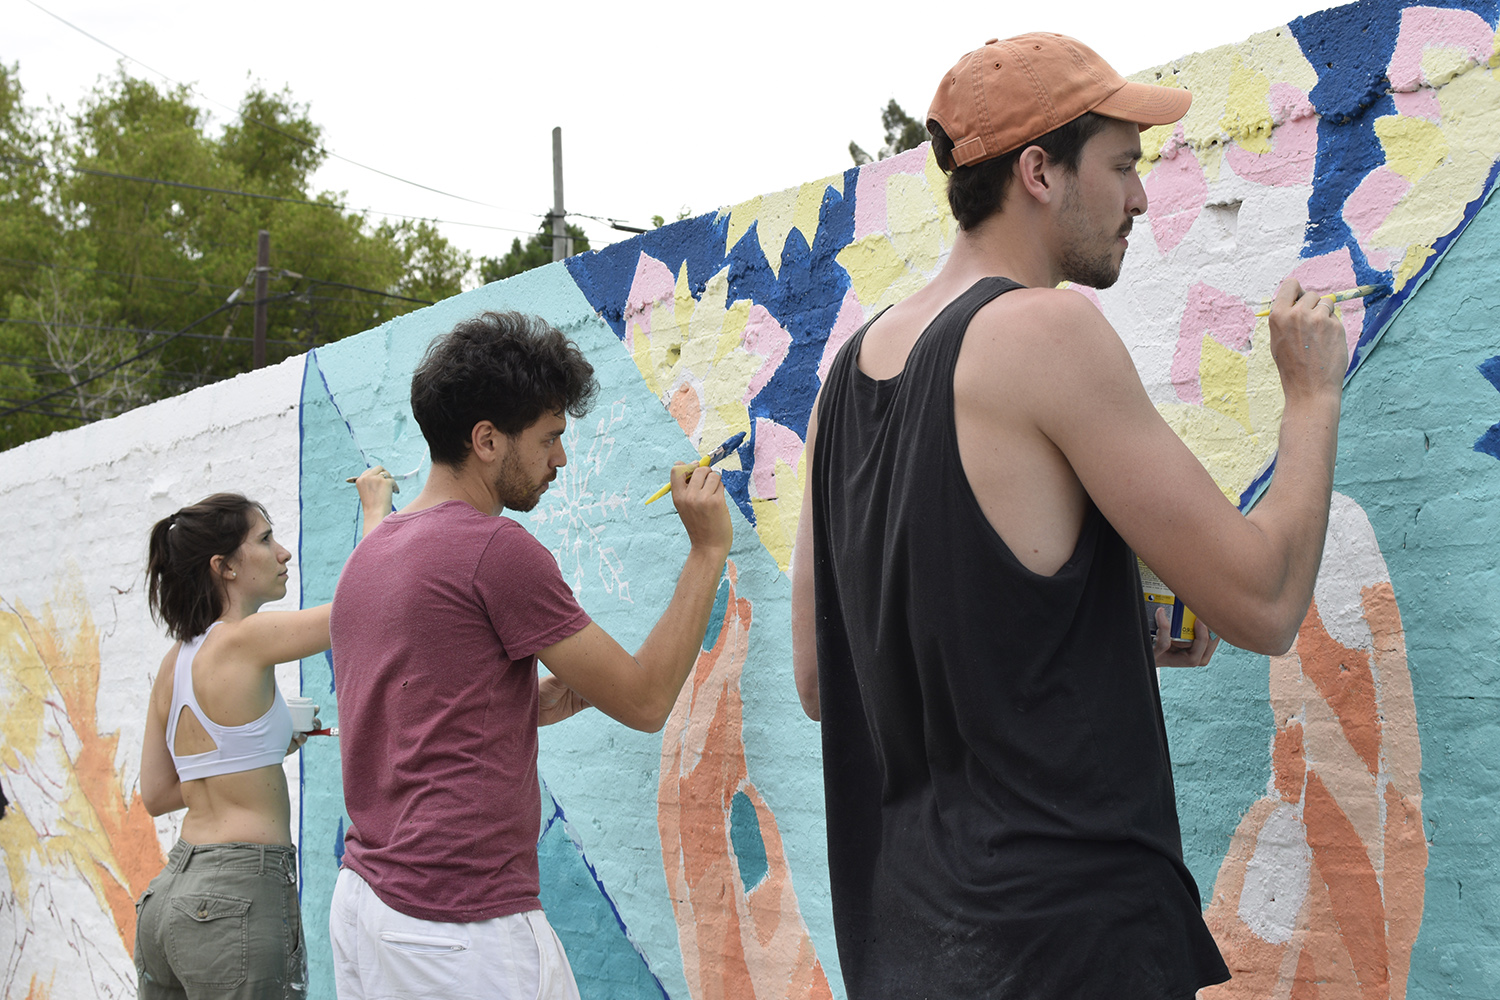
243	117
115	367
153	333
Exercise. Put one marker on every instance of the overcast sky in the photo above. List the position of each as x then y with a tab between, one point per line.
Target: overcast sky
663	105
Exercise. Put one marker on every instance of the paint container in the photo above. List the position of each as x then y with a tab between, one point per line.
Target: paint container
1159	595
304	710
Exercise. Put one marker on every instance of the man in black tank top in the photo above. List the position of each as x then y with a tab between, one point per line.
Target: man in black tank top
967	612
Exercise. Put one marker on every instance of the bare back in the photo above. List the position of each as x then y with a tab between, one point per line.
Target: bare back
245	806
1023	483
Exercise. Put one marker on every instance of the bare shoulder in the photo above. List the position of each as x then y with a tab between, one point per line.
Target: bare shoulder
161	688
1049	341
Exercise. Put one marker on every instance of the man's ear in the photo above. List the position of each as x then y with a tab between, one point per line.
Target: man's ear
487	443
1035	172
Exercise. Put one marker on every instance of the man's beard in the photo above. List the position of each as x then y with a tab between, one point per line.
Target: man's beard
1096	267
517	492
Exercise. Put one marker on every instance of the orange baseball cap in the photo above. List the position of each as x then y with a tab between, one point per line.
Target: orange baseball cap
1008	93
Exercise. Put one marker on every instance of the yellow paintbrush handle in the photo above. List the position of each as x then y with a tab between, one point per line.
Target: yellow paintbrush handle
668	488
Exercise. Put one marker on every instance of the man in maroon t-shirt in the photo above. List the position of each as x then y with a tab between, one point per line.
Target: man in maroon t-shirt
438	622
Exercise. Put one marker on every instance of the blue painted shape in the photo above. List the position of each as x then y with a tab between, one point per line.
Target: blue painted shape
716	617
1489	442
804	295
749	845
586	919
338	845
1490	369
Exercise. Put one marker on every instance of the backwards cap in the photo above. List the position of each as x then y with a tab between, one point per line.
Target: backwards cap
1009	93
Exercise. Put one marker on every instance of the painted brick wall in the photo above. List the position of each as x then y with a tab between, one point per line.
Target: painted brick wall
1337	802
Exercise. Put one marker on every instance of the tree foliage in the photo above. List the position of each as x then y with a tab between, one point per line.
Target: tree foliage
100	267
536	252
902	132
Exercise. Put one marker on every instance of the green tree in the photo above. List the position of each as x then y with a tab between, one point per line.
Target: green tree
102	262
536	252
902	132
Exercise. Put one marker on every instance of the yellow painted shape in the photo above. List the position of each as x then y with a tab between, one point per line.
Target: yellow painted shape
887	267
1247	107
1495	51
1410	264
776	215
873	266
776	519
1441	63
741	218
1235	432
683	303
1469	127
1414	147
44	665
1223	374
1273	54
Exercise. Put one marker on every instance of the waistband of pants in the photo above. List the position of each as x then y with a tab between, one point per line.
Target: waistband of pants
259	858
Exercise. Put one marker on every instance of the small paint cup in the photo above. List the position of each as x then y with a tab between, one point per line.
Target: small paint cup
1159	595
304	711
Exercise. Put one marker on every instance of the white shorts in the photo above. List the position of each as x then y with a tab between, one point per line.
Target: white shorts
381	954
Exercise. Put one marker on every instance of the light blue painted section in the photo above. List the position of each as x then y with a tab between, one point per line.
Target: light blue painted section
623	560
1406	453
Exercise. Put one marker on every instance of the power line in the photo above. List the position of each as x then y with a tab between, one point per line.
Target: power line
243	117
115	367
155	333
17	261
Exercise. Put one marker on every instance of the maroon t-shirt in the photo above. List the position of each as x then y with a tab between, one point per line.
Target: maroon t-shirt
436	623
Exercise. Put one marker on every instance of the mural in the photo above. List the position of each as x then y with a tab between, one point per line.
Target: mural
1340	841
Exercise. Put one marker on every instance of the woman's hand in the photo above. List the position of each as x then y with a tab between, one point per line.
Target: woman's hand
376	487
300	738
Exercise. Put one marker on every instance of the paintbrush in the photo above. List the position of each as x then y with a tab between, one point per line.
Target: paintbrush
712	458
1344	296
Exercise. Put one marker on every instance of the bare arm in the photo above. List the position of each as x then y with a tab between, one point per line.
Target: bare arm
161	789
640	690
804	618
1249	578
271	637
375	487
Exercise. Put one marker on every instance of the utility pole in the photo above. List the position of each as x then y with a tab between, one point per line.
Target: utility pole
561	245
262	286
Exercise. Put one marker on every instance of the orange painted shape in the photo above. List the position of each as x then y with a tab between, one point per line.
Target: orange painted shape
1305	980
1343	678
686	409
1353	890
1289	762
1404	881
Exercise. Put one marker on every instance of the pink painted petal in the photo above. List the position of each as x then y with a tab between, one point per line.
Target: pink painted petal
772	441
764	337
1209	310
1175	192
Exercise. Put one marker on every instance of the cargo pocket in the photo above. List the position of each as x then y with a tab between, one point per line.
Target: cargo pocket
140	932
206	944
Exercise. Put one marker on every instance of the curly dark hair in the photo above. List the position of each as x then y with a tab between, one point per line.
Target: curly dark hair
977	191
504	367
181	589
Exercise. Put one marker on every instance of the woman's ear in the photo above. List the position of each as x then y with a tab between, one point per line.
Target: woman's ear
219	567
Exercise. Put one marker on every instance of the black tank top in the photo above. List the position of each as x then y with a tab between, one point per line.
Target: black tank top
1001	820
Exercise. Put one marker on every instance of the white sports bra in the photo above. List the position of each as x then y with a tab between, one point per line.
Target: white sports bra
238	748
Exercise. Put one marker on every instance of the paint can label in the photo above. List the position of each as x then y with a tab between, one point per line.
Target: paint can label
1159	595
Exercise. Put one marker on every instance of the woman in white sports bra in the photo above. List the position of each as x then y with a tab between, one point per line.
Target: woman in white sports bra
222	920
